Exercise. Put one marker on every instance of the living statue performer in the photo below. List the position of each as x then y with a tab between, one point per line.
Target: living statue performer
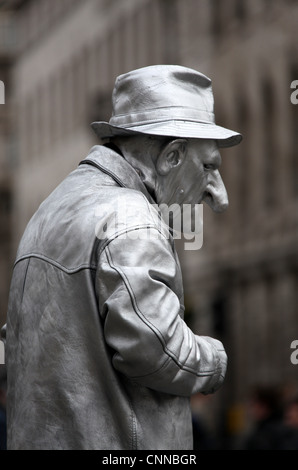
97	351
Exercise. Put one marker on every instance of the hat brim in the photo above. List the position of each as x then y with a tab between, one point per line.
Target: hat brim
173	128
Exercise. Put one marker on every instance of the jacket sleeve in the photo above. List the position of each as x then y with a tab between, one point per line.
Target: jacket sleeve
143	319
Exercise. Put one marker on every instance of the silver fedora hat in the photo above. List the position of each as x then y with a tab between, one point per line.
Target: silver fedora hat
165	100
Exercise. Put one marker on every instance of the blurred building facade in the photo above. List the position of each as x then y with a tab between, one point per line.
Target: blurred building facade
60	69
7	154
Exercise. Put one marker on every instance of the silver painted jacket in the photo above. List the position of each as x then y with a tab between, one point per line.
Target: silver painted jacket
97	351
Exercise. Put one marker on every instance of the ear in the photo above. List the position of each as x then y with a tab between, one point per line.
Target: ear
171	156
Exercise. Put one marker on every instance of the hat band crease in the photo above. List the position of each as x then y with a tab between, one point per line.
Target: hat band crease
163	114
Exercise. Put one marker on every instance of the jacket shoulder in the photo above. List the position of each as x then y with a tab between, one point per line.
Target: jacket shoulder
124	211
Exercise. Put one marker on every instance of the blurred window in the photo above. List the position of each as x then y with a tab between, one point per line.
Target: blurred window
269	116
216	18
244	182
240	10
294	133
5	210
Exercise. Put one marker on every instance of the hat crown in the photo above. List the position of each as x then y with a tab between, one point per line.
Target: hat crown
165	100
162	92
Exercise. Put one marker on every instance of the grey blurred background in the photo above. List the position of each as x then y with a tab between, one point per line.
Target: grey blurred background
59	60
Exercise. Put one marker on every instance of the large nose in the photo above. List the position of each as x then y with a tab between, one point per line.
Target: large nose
215	194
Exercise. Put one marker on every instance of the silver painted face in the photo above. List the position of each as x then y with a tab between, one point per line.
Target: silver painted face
197	178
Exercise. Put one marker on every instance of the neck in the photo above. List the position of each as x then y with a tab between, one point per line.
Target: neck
139	157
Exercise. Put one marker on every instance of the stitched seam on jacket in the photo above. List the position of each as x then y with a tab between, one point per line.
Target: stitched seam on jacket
104	170
55	263
133	427
152	327
134	435
163	366
124	231
25	278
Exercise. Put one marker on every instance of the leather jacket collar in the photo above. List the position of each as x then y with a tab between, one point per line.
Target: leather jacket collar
111	162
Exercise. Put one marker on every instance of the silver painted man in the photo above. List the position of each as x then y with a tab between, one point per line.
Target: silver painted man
97	351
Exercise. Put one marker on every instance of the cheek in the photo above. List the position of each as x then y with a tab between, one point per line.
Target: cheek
197	185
